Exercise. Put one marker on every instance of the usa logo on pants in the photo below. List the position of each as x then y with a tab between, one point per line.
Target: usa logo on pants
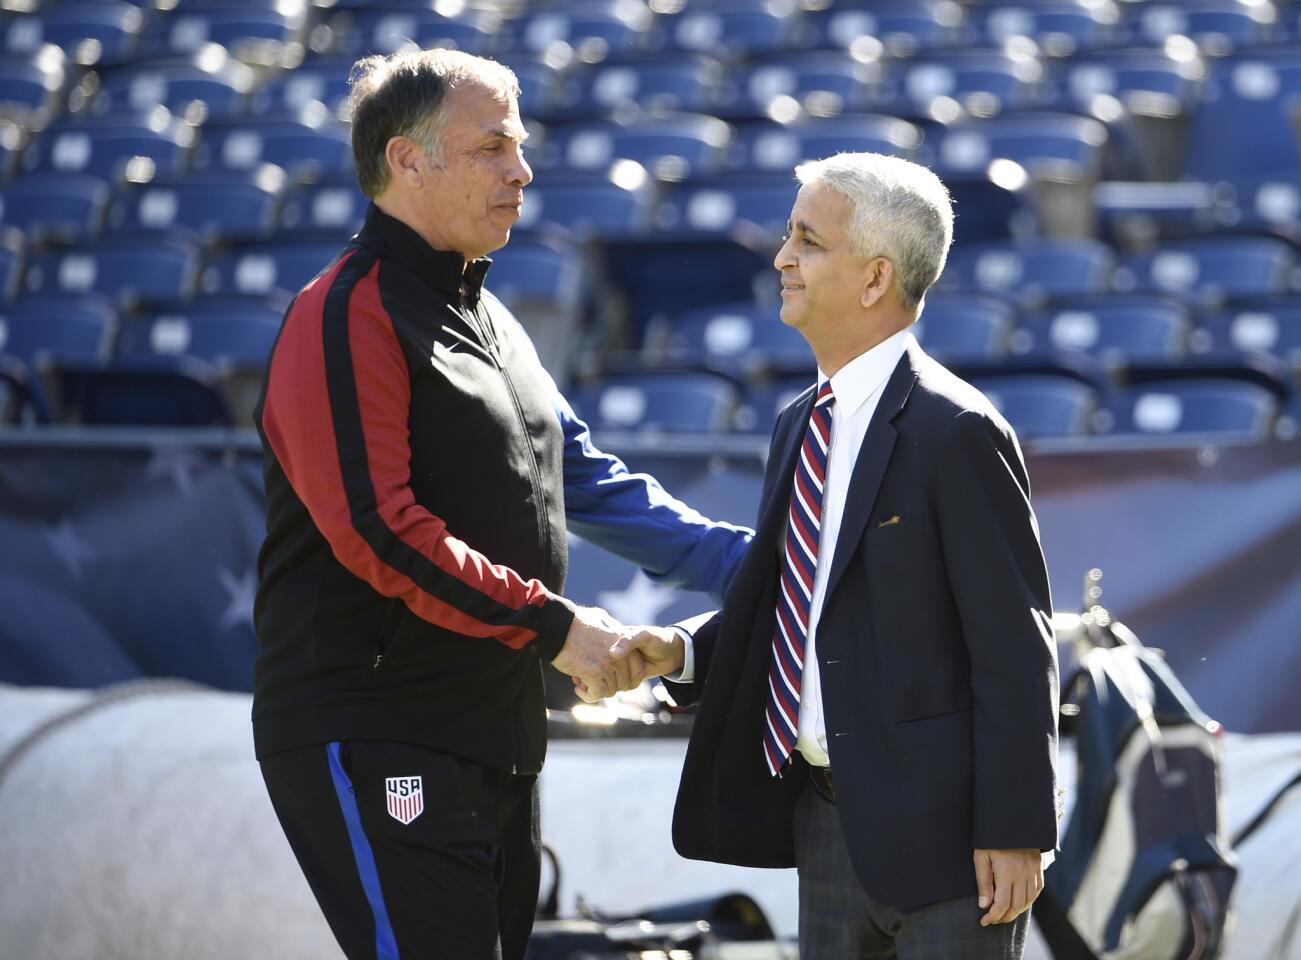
406	798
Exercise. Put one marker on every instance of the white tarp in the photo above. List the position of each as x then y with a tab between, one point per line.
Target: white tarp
141	830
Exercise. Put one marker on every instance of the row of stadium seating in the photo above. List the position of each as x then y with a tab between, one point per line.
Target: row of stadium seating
1037	406
1125	178
119	31
1124	114
52	345
134	266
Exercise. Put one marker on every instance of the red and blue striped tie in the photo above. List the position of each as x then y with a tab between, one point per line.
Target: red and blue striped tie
795	596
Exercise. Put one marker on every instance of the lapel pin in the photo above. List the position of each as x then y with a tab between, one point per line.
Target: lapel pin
891	522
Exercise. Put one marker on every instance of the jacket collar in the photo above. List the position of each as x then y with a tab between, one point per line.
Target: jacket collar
443	269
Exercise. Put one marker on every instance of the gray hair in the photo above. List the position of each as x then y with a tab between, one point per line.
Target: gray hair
401	95
898	209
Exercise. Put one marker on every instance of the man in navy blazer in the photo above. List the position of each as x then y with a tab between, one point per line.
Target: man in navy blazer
878	696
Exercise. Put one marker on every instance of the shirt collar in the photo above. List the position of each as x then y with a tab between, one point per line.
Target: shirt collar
867	373
444	269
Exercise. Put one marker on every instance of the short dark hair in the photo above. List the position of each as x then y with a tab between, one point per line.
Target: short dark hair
401	95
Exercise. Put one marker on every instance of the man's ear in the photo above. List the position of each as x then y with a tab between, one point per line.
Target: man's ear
403	158
880	277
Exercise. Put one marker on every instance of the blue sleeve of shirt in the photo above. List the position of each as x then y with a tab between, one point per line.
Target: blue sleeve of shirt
632	516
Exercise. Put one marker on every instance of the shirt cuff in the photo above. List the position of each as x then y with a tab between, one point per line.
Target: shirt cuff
688	672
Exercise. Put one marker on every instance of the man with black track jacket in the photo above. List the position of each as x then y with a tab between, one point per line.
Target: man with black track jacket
421	471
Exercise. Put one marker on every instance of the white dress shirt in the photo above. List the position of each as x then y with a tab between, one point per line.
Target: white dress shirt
857	387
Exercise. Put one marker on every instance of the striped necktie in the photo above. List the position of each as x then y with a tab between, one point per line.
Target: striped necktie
795	596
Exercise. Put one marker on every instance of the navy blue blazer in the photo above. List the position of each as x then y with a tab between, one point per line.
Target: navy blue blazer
936	650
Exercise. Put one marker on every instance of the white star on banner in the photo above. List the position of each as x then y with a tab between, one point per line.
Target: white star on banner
69	547
640	602
242	590
177	463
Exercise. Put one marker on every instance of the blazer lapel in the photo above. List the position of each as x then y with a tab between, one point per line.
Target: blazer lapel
869	468
773	512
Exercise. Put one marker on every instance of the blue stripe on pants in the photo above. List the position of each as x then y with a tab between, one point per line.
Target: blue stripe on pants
386	947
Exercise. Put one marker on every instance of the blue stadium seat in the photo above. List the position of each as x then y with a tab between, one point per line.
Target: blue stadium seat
743	337
1144	79
762	403
658	403
670	147
727	30
983	82
1059	29
1058	146
220	87
91	33
234	338
823	84
335	207
1129	330
1030	272
309	145
224	333
986	209
664	275
180	392
1219	407
33	85
965	329
1135	215
680	83
316	81
1210	269
1243	125
55	206
1217	26
771	146
1270	327
727	204
591	28
106	147
267	269
1270	204
128	272
39	332
1038	405
539	81
390	29
258	34
215	206
587	204
904	29
529	276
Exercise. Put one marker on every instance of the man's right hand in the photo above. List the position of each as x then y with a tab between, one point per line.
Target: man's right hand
647	651
587	655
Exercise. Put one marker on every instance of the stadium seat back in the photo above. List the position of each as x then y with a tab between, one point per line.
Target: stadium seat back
587	206
1214	268
680	83
964	329
101	33
222	90
1133	332
41	330
1041	405
335	208
267	269
108	147
903	29
1034	272
824	84
1243	125
130	272
726	32
309	146
745	335
212	206
1230	408
65	207
665	402
721	205
774	147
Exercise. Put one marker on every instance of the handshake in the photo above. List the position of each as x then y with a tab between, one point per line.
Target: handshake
604	656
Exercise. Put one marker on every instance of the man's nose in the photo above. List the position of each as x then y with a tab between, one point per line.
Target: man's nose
522	174
784	257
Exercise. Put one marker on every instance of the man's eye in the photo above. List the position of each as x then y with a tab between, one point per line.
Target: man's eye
807	242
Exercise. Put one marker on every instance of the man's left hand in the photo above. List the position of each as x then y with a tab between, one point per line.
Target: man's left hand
1007	881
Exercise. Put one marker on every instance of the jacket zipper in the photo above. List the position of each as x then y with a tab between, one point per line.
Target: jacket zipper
544	521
